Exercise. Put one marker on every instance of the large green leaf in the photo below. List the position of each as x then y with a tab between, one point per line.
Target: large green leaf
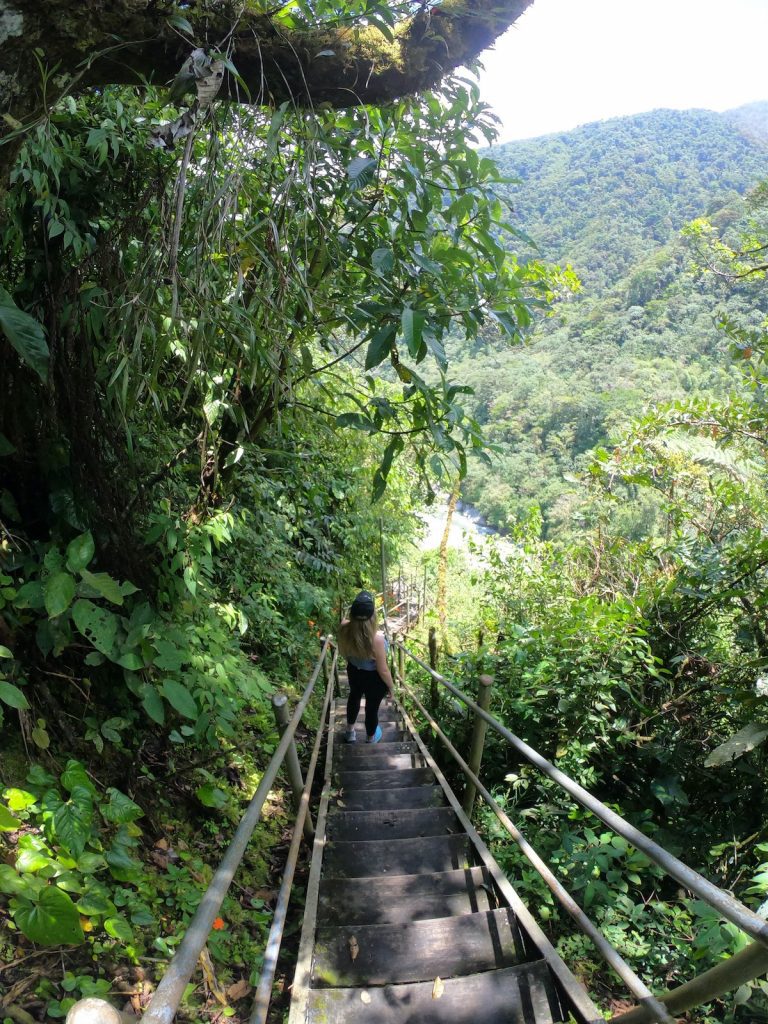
59	591
52	920
74	775
73	820
12	696
7	821
25	334
179	697
360	172
107	587
13	884
80	551
120	808
412	324
380	346
93	903
152	703
118	928
740	743
383	261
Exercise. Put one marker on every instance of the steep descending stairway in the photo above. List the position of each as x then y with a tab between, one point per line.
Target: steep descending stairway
408	917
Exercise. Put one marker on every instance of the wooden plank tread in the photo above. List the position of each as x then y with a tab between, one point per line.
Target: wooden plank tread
370	858
419	951
392	824
391	899
384	779
522	994
381	799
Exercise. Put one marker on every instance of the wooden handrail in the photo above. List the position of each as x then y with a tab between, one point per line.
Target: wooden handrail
720	979
168	994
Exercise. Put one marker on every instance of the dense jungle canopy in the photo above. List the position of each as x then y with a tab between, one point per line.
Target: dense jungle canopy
261	290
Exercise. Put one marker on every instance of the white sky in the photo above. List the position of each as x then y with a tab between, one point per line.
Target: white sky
567	62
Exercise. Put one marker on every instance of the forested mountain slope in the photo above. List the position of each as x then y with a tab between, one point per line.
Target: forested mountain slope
611	199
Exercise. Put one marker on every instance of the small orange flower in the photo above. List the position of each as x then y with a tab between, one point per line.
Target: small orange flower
219	924
310	623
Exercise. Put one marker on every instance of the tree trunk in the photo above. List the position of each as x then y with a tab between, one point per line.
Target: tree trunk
442	567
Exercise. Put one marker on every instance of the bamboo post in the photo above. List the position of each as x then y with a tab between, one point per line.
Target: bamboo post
424	594
434	693
383	576
478	740
401	663
331	668
293	768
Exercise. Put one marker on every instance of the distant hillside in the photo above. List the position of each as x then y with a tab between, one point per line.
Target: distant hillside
751	119
611	198
608	194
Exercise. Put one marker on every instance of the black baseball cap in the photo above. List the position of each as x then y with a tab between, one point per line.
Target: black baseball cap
363	606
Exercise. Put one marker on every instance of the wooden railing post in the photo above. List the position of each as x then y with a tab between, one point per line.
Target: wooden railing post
327	667
478	740
401	663
292	766
434	693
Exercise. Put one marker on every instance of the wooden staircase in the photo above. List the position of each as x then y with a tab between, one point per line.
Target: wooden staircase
408	918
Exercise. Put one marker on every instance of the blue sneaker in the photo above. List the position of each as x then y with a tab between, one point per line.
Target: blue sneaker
350	736
376	736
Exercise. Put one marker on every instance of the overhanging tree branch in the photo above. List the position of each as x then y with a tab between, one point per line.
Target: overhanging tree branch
135	41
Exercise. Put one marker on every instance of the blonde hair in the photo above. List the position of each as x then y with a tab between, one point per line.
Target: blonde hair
356	638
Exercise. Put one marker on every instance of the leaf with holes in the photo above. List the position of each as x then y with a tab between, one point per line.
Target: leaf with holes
99	625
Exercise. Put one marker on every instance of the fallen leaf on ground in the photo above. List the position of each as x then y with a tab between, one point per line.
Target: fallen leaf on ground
438	988
354	949
239	990
365	998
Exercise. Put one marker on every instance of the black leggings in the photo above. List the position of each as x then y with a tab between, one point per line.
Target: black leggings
369	685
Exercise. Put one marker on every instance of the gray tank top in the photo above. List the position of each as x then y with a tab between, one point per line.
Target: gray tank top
368	664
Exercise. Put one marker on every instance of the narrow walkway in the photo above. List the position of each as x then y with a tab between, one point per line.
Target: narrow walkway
408	918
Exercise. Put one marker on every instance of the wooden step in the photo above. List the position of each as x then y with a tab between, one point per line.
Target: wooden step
390	731
513	995
383	779
392	824
371	858
395	953
397	899
387	713
381	799
347	751
370	758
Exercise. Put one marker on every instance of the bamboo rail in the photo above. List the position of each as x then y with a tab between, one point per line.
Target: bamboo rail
168	994
744	966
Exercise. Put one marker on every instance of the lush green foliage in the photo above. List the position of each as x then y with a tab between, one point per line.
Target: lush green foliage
611	199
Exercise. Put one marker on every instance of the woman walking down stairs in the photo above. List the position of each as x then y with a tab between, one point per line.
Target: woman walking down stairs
408	917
